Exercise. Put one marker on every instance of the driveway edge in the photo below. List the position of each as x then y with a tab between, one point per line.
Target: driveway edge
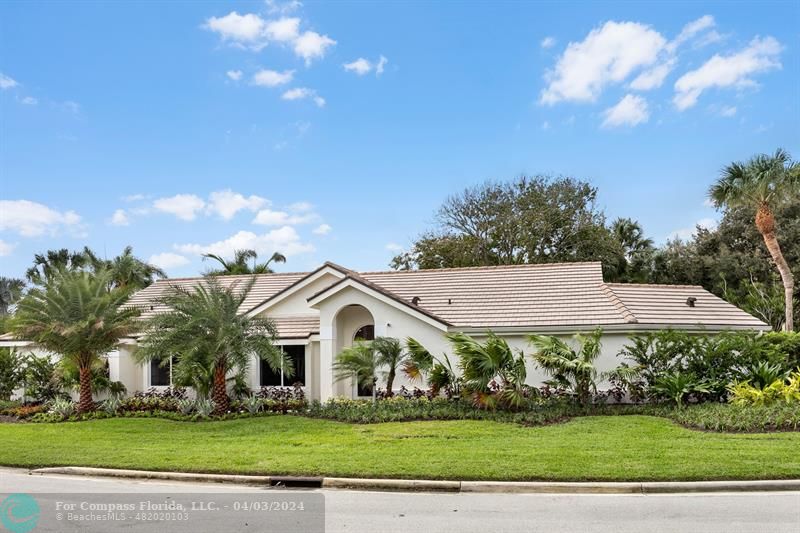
423	485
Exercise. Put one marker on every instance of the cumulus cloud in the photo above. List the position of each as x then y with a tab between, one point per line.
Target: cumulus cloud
301	93
686	234
394	247
284	240
168	260
311	45
728	71
654	77
269	217
283	8
629	111
322	229
609	54
272	78
247	29
548	42
5	248
235	75
283	30
6	82
362	66
120	218
32	219
227	203
301	206
183	206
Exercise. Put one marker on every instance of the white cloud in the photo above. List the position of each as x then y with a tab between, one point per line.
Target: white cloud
269	217
227	203
360	66
301	206
133	198
6	248
654	77
726	71
727	111
311	45
282	8
284	240
272	78
120	218
381	65
283	30
7	82
686	234
242	29
394	247
32	219
235	75
183	206
168	260
29	100
629	111
609	54
690	30
301	93
322	229
548	42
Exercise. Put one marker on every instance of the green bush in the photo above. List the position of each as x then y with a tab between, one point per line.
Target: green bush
11	373
779	416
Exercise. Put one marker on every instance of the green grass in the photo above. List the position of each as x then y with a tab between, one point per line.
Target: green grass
586	448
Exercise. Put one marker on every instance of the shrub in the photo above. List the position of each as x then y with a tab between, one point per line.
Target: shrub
62	408
785	389
11	372
282	399
185	406
24	411
678	386
779	416
204	407
253	404
112	405
41	381
154	400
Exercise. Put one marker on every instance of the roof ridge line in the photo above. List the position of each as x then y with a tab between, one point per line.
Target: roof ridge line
479	267
674	286
618	304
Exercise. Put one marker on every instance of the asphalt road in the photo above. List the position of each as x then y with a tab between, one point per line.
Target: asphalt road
388	512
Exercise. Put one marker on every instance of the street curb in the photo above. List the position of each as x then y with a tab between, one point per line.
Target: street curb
424	485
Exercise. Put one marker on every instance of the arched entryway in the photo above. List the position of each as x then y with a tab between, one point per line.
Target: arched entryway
352	322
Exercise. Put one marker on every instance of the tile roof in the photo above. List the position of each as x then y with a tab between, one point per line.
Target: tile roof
543	295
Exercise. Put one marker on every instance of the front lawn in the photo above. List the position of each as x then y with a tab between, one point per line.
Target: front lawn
588	448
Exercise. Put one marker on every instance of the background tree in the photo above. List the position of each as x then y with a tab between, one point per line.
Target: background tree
240	266
528	220
77	316
760	185
54	262
10	292
127	270
209	338
637	251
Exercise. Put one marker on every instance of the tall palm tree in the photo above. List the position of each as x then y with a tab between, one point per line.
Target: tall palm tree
365	360
79	317
572	368
240	266
127	270
630	235
761	184
10	292
53	262
210	338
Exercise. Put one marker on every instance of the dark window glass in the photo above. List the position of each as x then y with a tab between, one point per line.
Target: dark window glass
297	353
269	378
159	374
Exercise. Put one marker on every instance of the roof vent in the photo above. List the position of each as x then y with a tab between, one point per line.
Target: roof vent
690	301
151	307
415	300
449	301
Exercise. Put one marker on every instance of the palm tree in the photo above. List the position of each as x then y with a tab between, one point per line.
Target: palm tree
366	359
572	368
126	269
492	361
761	184
77	316
240	266
438	373
54	262
209	338
630	235
10	293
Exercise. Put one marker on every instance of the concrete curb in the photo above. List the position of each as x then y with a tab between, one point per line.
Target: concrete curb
423	485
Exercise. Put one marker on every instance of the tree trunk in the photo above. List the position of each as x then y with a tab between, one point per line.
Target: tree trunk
765	222
219	394
86	402
390	382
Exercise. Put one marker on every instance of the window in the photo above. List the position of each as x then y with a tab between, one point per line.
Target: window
160	373
364	333
297	354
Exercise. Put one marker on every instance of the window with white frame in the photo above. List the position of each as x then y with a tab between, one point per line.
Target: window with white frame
161	373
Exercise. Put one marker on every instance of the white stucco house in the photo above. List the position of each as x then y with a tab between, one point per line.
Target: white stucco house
319	313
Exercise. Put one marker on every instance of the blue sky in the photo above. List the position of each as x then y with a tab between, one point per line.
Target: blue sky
332	131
